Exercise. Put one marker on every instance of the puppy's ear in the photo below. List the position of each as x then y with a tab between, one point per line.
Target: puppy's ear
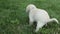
27	9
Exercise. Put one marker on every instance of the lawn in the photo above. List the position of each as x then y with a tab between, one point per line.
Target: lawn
14	19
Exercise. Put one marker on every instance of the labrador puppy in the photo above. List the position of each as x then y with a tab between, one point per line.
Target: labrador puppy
39	15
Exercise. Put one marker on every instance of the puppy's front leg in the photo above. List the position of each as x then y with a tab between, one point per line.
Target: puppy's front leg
31	21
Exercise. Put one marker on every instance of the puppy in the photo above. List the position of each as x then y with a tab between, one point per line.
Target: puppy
38	15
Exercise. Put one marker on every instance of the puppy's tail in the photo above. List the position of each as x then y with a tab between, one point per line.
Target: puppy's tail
54	19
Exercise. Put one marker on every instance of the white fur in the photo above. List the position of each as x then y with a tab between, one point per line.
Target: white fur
38	15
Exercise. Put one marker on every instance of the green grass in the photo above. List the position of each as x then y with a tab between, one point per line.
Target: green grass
14	19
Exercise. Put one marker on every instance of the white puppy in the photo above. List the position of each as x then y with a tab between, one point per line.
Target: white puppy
38	15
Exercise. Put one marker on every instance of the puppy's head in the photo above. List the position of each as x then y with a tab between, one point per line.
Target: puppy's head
30	7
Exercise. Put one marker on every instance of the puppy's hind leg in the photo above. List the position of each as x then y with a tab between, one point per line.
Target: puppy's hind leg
39	25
